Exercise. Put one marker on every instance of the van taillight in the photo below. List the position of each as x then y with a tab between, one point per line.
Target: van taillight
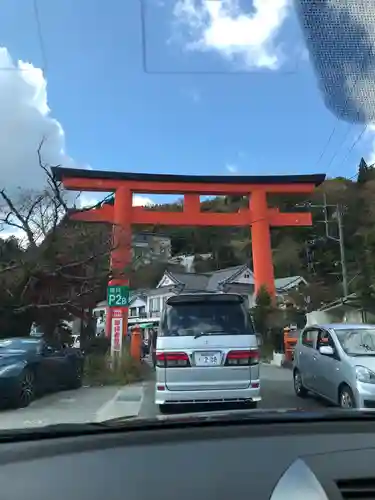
172	359
241	358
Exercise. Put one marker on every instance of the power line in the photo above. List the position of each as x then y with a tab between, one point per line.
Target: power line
39	28
338	149
355	142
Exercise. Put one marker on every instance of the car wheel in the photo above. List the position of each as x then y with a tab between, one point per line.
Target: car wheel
299	388
346	398
26	389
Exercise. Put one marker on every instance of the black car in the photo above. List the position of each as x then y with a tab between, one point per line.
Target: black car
31	367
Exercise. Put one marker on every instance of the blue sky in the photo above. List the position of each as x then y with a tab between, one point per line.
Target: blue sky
191	89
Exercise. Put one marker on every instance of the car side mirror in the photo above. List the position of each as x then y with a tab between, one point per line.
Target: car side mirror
326	350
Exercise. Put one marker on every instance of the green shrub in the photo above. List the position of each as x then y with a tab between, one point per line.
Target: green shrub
266	351
99	369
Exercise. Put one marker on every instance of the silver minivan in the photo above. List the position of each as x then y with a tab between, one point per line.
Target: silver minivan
206	351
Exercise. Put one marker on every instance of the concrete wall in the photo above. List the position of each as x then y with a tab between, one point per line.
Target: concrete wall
338	315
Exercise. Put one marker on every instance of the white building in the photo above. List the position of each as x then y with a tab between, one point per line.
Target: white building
138	312
343	310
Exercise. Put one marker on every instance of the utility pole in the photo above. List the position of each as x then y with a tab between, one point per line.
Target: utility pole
345	284
339	240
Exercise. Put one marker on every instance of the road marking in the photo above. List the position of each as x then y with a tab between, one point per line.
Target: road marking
34	423
121	406
108	404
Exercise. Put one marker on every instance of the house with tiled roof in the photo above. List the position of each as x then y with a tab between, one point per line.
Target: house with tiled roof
237	279
146	305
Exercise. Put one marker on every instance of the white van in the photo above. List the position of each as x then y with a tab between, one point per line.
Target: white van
206	351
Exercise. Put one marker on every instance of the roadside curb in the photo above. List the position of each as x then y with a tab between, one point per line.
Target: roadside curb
125	403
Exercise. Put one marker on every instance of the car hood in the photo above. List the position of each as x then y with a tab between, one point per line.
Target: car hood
10	358
366	361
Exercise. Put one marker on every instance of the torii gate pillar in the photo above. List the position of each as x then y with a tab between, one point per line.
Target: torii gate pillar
261	242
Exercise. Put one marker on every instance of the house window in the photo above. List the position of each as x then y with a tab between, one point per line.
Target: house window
155	304
142	310
133	311
247	275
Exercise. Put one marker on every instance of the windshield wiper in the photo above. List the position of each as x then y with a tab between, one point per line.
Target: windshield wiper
132	423
50	431
241	417
201	334
211	332
366	347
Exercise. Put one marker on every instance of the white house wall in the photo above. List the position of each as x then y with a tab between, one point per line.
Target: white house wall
246	277
155	304
337	315
318	317
139	302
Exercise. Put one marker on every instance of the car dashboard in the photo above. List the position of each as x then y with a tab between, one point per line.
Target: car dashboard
273	460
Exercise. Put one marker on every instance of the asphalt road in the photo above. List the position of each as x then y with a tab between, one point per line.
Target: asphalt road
93	404
277	393
78	406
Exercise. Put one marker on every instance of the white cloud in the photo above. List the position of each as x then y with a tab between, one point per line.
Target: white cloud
221	26
233	169
91	199
25	120
142	201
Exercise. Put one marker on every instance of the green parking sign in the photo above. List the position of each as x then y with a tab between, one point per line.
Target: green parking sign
118	296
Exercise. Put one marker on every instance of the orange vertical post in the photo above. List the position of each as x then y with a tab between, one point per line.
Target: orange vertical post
121	254
108	321
261	242
136	343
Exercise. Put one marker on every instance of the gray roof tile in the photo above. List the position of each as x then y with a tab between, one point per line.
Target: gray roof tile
192	281
221	275
287	283
212	281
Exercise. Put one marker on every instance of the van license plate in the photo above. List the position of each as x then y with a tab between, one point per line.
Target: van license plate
207	359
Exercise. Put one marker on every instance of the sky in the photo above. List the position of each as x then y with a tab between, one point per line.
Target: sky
165	86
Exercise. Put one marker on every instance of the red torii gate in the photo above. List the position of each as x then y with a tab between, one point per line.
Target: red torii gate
123	215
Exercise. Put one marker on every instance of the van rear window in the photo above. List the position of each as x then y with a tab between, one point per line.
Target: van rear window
190	319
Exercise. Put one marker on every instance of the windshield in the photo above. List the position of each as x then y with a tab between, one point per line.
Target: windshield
357	342
158	157
206	319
